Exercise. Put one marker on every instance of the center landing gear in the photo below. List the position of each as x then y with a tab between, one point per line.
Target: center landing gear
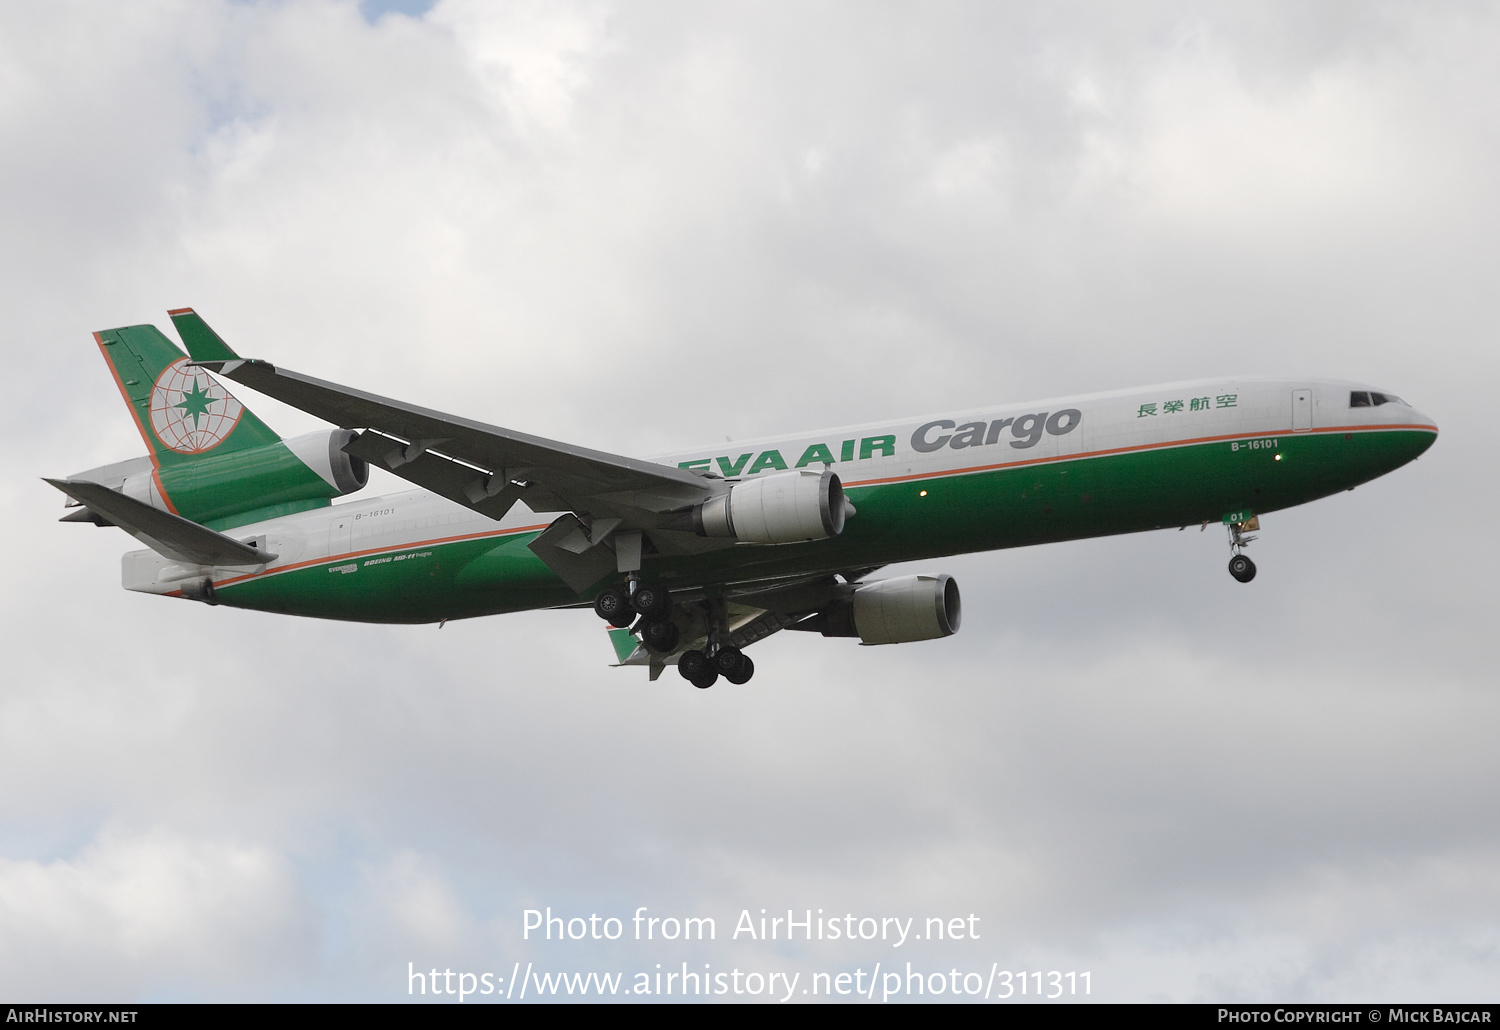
619	606
1240	565
657	630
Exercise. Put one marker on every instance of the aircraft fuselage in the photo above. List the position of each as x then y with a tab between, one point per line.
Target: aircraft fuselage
951	483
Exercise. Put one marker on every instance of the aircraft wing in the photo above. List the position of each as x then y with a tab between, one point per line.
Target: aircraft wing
172	535
483	467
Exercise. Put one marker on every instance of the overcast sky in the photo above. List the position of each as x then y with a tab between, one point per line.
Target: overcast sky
646	226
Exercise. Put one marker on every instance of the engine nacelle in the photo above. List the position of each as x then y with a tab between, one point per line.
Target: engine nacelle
323	452
894	611
782	508
304	471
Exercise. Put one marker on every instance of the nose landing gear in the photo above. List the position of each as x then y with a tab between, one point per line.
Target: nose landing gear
1242	568
1240	565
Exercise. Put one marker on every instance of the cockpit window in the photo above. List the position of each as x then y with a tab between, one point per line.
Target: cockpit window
1371	399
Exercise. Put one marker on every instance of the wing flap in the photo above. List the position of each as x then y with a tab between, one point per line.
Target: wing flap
487	494
581	567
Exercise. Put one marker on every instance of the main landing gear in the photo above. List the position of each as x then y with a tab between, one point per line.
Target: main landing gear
703	672
1240	565
619	607
703	668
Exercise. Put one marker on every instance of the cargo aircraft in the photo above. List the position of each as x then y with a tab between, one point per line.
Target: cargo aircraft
693	557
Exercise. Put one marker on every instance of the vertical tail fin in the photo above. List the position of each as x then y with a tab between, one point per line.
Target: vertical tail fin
212	461
181	411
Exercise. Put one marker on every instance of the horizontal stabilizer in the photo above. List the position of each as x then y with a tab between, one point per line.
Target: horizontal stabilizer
171	535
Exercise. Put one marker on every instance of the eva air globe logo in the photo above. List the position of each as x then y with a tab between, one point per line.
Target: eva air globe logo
189	411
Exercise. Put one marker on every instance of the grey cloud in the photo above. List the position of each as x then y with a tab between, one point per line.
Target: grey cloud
646	226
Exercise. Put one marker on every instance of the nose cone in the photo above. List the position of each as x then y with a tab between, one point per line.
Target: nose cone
1419	419
1416	433
1427	430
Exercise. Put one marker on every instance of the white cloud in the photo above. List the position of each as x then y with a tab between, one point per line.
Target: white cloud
212	917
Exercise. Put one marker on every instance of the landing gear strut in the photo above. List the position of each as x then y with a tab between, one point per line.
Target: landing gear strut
1240	565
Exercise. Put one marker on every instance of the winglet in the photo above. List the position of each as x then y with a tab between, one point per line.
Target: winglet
201	342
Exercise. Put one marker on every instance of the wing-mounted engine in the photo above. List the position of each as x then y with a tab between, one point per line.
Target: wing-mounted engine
783	508
893	611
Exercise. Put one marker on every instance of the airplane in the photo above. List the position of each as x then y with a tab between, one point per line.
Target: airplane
692	557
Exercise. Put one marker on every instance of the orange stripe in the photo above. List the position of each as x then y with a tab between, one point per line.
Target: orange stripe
180	311
863	482
1131	449
120	384
156	476
139	425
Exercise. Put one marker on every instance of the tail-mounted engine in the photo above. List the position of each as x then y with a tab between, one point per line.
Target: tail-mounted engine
783	508
893	611
302	472
324	453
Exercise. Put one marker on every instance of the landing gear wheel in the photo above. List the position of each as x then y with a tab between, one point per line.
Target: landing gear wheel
660	635
696	668
742	672
651	600
1242	568
728	659
613	608
693	663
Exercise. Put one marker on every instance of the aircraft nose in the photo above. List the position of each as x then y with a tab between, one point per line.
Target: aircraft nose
1423	422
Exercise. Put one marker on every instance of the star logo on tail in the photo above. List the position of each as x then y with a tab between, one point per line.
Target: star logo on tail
190	412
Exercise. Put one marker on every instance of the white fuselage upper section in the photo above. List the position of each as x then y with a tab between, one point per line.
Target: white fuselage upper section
944	443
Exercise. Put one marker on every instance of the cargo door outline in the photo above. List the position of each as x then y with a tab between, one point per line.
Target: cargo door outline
1302	415
338	535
